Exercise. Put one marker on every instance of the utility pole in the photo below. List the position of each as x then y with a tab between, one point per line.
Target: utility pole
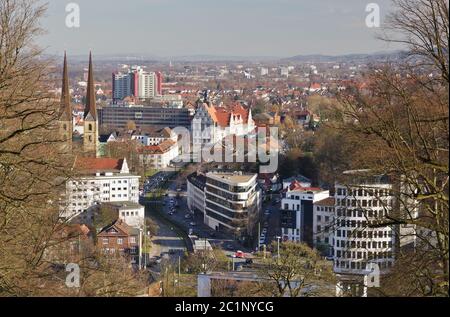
145	245
179	271
259	236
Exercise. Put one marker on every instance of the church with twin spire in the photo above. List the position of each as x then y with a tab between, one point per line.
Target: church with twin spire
90	141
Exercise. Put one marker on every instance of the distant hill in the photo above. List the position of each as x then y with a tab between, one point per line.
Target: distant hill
316	58
379	56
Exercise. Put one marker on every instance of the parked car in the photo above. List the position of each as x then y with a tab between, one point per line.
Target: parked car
239	254
229	247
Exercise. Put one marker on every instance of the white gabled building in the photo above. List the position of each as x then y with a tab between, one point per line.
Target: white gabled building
212	124
155	137
96	181
158	156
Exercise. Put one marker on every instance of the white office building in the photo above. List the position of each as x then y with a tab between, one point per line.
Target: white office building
96	181
297	212
232	202
323	225
356	244
196	184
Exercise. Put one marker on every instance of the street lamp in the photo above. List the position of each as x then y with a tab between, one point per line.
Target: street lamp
278	249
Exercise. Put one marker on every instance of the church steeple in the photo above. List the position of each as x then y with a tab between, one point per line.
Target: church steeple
65	109
90	94
90	134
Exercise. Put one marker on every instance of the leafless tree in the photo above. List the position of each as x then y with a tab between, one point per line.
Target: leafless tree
400	125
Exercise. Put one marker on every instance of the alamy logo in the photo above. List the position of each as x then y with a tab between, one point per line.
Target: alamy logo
73	16
373	18
73	278
257	146
372	278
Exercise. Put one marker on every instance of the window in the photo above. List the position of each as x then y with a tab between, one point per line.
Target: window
132	239
105	240
119	241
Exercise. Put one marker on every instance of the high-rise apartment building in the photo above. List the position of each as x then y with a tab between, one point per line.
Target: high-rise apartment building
136	82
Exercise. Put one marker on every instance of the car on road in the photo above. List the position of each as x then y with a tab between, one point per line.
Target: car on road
229	247
239	254
192	223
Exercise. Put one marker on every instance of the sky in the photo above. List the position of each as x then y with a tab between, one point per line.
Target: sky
276	28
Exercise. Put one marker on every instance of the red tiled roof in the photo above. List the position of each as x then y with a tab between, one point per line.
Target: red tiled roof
222	116
119	225
238	109
97	164
157	149
295	185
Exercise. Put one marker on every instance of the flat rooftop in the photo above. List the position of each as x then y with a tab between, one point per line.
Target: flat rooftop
123	204
231	177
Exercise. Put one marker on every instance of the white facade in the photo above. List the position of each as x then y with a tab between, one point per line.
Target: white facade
154	139
196	192
297	205
132	214
204	129
92	189
355	244
146	84
232	201
210	124
159	156
323	229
